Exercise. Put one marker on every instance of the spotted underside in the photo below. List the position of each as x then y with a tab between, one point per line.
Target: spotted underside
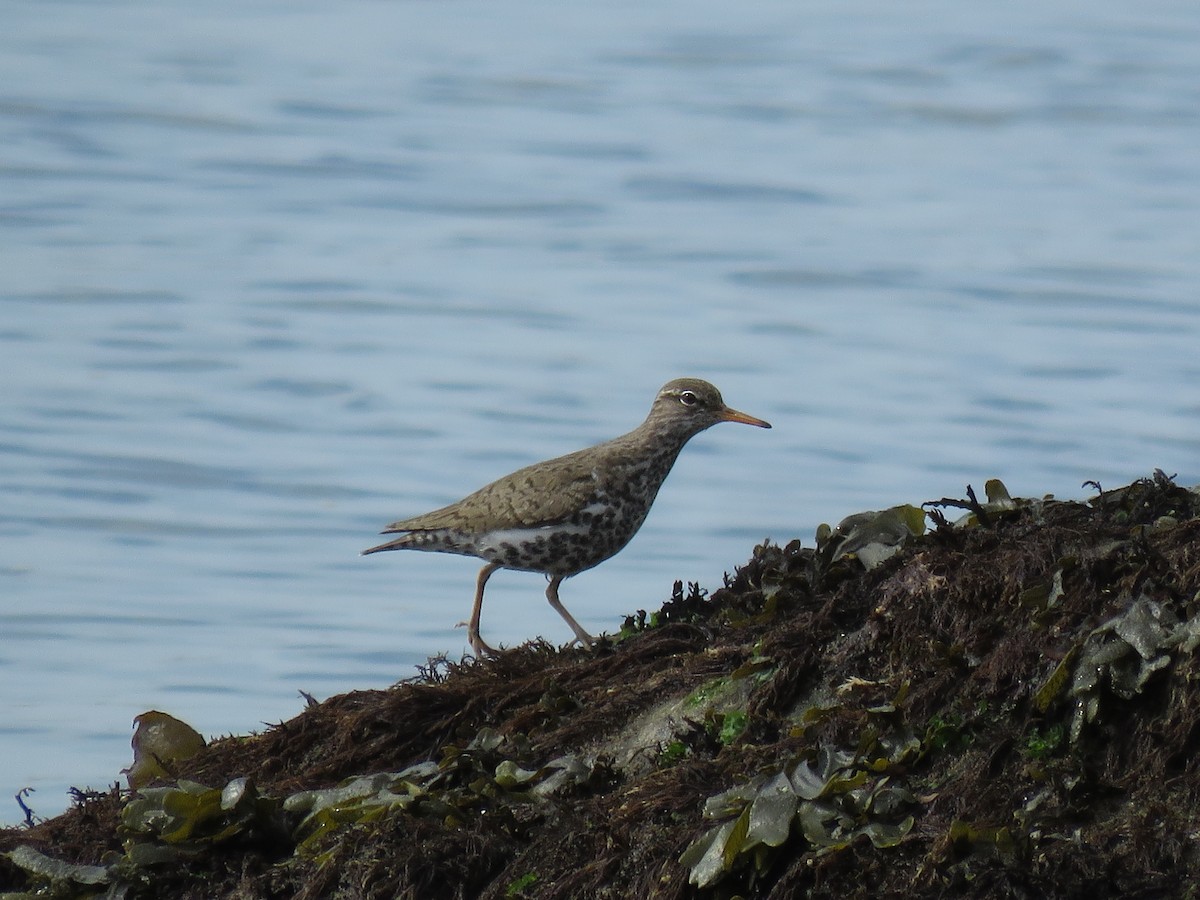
550	549
605	517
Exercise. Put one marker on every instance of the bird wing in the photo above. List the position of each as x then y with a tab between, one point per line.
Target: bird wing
542	494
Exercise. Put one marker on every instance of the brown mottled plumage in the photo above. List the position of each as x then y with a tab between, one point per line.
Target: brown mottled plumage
567	514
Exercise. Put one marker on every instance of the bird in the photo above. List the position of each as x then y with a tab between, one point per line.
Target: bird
565	515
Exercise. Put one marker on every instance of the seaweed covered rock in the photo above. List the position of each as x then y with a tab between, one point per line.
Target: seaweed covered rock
1003	706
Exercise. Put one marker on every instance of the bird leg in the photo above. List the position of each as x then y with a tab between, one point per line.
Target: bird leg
552	595
477	643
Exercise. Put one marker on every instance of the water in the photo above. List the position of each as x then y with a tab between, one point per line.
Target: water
276	274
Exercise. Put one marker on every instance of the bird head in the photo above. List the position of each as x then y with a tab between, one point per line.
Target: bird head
691	405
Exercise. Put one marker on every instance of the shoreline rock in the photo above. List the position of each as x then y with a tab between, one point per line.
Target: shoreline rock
1005	706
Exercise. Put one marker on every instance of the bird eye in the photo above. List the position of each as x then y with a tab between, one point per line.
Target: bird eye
688	398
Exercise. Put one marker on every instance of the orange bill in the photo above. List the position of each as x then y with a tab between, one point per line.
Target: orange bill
733	415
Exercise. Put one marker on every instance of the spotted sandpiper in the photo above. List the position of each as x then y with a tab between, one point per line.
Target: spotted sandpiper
565	515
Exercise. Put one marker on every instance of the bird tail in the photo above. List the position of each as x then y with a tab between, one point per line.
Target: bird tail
405	540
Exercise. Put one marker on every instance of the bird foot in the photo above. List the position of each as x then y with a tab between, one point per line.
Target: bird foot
478	644
586	641
583	639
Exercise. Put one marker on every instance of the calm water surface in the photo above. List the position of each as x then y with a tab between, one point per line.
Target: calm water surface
275	274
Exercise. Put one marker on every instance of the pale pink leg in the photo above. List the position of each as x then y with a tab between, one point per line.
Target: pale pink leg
477	643
552	595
